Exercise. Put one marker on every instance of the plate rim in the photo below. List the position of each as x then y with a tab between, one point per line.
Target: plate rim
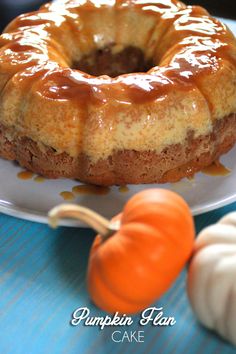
13	210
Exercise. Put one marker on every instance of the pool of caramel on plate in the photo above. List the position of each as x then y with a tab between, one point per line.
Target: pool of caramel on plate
123	189
67	195
216	169
27	175
87	189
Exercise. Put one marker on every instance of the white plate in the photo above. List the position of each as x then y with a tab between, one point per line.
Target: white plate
32	201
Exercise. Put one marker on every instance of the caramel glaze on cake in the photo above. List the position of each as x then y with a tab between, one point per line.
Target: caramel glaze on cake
157	101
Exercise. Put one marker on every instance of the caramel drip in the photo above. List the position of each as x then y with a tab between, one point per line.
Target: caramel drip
123	189
216	169
25	175
39	179
67	195
87	189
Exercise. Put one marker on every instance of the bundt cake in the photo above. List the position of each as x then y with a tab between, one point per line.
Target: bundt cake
117	91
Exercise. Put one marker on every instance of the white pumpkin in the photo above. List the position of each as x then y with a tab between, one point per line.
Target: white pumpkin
211	281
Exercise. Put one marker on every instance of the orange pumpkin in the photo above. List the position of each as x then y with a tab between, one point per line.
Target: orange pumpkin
140	252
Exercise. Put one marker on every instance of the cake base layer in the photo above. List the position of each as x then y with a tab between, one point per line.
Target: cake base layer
124	167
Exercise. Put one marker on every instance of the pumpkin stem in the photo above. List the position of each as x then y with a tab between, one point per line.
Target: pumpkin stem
103	226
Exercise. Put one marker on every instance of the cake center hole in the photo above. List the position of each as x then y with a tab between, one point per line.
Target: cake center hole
110	61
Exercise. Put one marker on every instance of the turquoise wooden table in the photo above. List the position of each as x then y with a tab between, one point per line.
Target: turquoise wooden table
42	282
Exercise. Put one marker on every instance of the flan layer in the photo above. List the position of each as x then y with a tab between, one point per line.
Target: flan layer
127	166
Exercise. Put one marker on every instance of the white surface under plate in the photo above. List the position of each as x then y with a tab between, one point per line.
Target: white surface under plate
32	201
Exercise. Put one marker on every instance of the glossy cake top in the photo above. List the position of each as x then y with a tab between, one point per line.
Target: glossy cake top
183	42
189	84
